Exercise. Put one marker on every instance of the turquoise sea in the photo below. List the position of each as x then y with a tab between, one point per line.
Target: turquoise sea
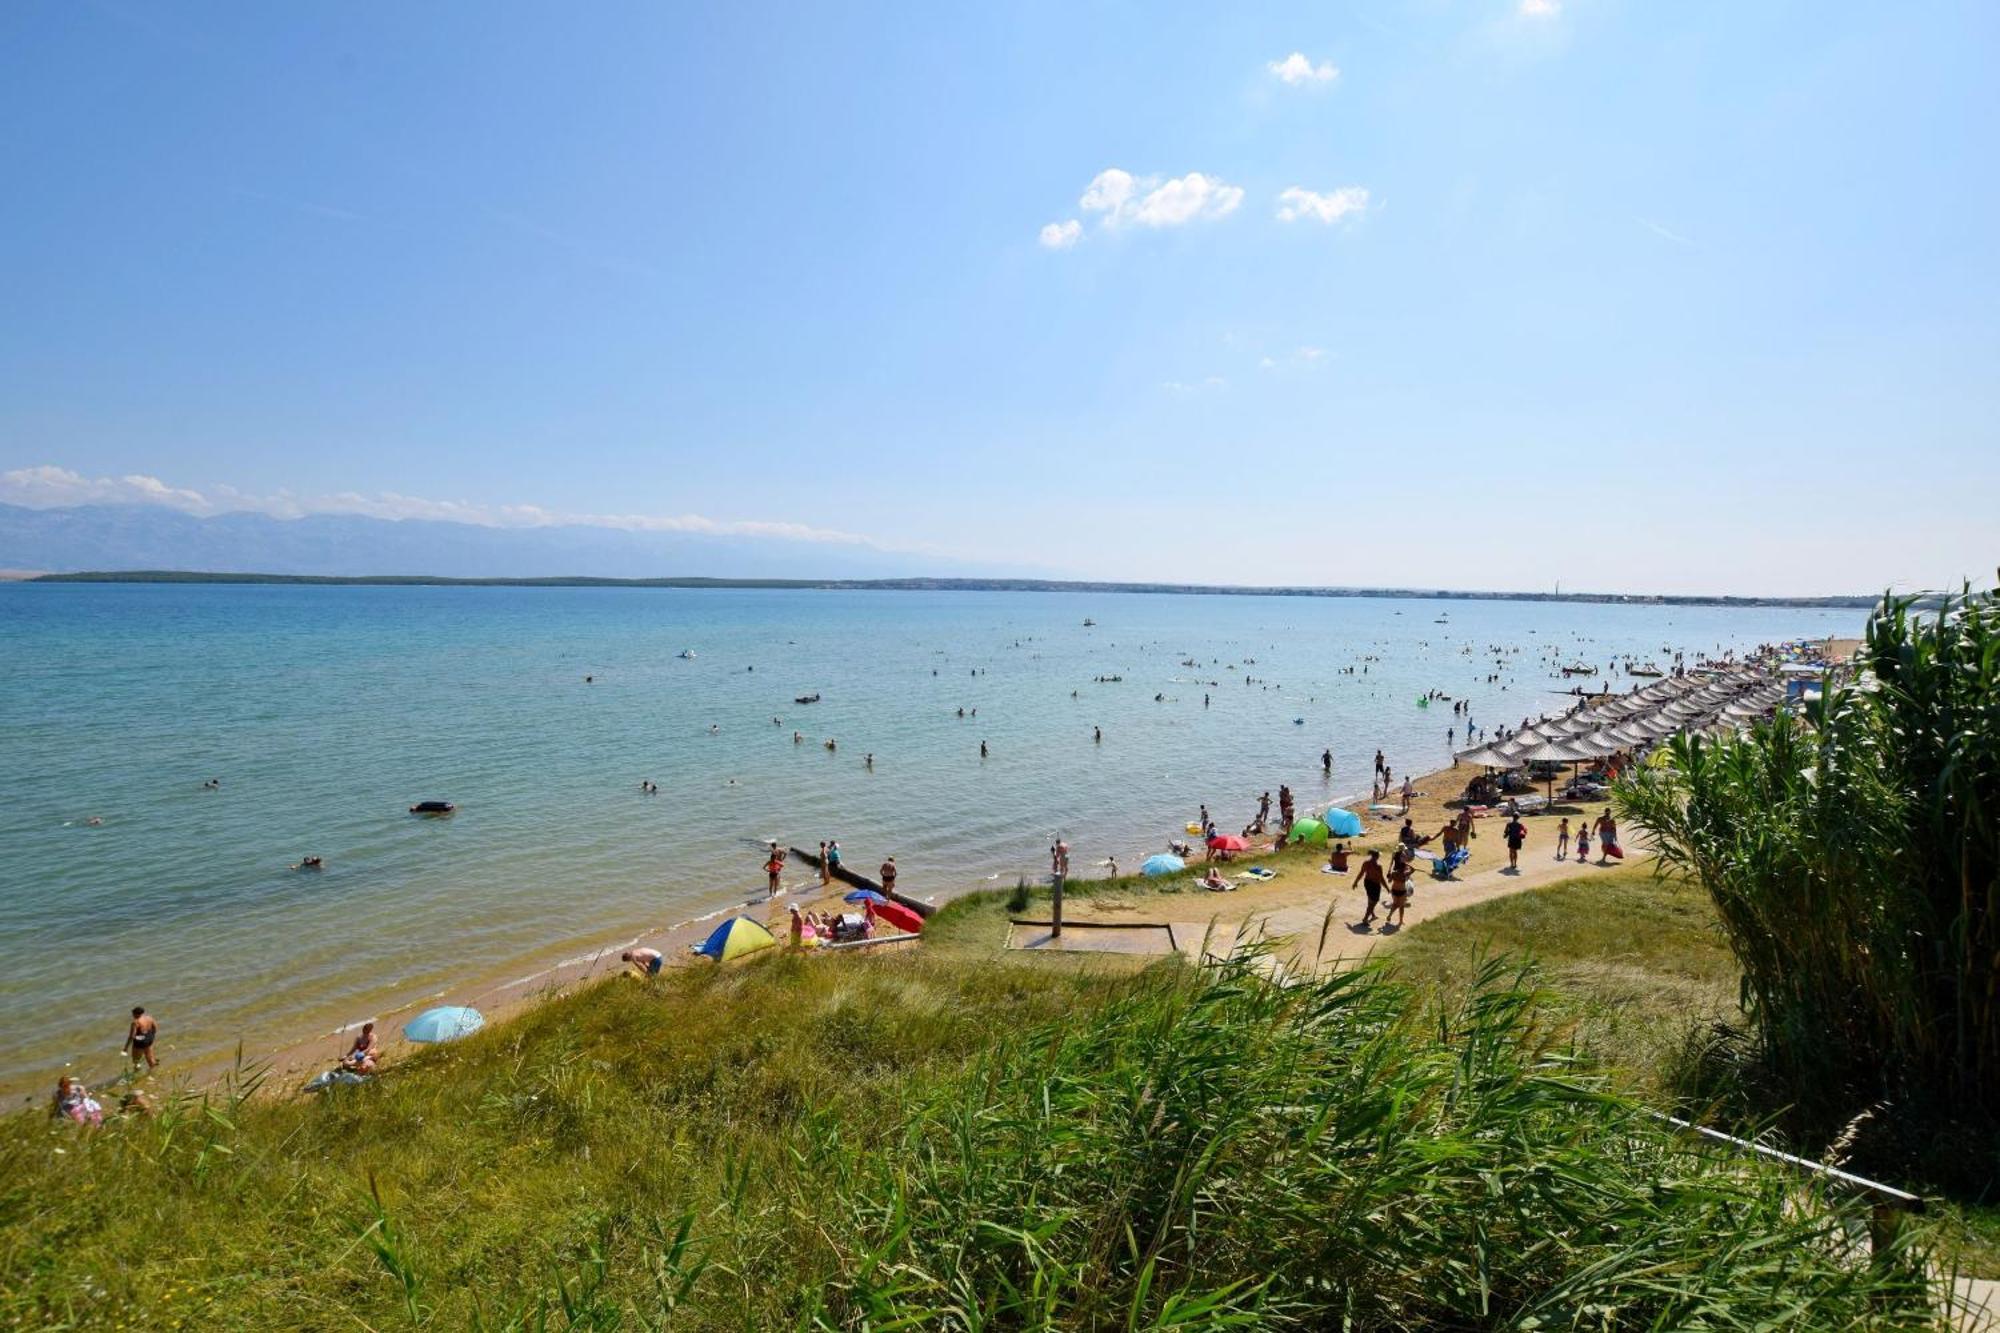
326	711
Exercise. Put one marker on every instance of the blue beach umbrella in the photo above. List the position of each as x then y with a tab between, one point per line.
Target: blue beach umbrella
447	1022
1162	864
865	896
1342	823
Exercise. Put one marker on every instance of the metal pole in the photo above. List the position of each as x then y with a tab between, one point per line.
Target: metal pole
1055	897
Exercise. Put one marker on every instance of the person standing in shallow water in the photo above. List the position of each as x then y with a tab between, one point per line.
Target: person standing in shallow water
774	866
140	1036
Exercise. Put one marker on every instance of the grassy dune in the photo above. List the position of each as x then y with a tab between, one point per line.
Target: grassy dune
935	1140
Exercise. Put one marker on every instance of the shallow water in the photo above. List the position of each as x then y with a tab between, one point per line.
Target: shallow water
326	711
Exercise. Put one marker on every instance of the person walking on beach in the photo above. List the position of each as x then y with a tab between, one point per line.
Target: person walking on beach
1607	839
139	1038
1409	791
1582	842
1516	833
1399	891
1562	839
1371	879
774	865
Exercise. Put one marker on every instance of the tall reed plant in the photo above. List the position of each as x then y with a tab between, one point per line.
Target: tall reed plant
1851	854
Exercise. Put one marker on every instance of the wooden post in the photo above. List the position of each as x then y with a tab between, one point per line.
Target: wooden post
1055	909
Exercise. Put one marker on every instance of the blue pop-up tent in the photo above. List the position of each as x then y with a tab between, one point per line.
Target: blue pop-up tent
1342	823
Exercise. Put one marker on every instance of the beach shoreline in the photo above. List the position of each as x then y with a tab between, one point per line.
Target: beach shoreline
523	982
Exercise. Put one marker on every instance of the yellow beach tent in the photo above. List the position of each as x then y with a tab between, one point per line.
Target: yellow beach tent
734	938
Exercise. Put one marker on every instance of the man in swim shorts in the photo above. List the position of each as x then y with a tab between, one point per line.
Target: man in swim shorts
648	961
1370	878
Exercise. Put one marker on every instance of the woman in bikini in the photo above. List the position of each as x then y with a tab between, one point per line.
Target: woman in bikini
1399	891
361	1056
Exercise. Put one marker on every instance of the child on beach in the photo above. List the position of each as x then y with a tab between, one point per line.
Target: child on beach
1582	841
1562	838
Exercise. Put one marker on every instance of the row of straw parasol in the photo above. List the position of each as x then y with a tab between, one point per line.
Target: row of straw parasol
1595	729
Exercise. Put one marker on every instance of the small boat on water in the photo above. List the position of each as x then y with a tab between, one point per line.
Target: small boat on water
1579	671
1088	622
686	654
812	698
432	808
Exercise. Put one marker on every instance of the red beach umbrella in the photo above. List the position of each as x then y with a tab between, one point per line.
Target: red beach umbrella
899	916
1229	842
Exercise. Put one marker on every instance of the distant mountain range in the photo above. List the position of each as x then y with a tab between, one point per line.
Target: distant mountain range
130	543
132	536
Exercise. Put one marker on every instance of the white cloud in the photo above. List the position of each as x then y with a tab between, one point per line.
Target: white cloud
1664	232
1540	9
1195	386
1295	70
1061	235
1127	200
1298	204
59	488
1303	357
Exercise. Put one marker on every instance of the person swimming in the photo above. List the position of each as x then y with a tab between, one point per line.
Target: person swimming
310	863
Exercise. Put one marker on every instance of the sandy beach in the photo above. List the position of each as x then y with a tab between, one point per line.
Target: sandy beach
1290	909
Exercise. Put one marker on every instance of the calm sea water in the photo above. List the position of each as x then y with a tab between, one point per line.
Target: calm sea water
326	711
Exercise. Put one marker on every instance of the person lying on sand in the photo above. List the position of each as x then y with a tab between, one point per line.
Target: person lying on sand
1215	882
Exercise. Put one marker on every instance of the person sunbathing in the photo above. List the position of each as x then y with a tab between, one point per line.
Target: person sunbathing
1215	882
365	1051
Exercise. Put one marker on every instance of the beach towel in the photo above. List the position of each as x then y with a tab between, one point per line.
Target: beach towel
1261	872
1614	851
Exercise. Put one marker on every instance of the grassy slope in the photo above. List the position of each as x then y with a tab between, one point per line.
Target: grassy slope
1634	964
1632	961
792	1108
496	1154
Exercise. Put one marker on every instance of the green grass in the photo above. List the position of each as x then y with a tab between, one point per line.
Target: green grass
939	1140
1633	963
1636	969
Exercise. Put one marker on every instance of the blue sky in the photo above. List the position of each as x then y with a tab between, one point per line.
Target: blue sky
1674	297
